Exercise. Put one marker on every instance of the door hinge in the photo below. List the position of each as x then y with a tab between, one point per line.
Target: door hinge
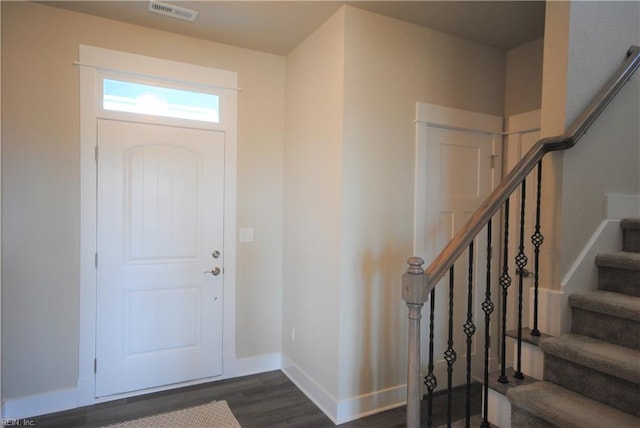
96	153
95	261
494	158
95	365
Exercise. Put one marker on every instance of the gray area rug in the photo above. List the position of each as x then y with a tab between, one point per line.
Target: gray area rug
212	415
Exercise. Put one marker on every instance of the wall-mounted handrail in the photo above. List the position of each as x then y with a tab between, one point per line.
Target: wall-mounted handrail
441	264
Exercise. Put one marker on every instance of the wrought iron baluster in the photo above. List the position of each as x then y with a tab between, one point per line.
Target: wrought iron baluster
469	330
505	283
536	240
450	353
487	307
430	379
521	262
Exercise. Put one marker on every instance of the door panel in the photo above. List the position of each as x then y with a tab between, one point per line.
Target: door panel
162	213
160	218
462	162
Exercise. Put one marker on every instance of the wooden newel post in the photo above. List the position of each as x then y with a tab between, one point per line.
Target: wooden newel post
414	292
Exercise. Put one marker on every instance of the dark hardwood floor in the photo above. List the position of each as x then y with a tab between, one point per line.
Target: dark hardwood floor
258	401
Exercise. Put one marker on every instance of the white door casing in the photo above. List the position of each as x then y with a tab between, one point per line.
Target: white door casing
95	63
457	166
160	220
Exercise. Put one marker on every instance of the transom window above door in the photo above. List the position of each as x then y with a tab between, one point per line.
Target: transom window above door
155	100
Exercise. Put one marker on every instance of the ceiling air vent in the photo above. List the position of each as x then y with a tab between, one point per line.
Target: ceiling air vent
172	11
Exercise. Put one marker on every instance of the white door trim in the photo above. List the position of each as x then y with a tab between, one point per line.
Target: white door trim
517	126
92	62
431	115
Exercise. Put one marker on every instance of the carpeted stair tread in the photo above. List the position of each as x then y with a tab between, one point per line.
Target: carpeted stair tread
619	260
614	360
565	408
605	302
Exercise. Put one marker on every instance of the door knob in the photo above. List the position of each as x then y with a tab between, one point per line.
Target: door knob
215	271
215	254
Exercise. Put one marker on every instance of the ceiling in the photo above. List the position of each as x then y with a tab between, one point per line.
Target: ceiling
279	26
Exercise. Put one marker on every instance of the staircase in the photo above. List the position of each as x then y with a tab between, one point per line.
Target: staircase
592	375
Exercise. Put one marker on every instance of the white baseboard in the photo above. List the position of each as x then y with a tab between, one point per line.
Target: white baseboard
315	392
341	411
368	404
39	404
258	364
82	395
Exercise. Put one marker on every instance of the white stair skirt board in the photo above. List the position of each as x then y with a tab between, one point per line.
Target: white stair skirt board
499	409
532	363
583	274
551	304
341	411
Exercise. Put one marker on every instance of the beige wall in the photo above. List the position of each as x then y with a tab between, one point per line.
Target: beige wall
606	160
352	89
390	66
0	201
523	80
313	193
335	180
41	187
585	42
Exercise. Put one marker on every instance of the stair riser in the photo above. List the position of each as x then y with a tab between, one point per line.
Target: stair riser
522	418
604	327
619	280
631	240
607	389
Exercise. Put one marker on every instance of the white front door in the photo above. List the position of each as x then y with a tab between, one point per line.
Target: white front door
160	255
457	166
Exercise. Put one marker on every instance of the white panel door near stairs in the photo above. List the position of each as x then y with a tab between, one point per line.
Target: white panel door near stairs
160	255
457	166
